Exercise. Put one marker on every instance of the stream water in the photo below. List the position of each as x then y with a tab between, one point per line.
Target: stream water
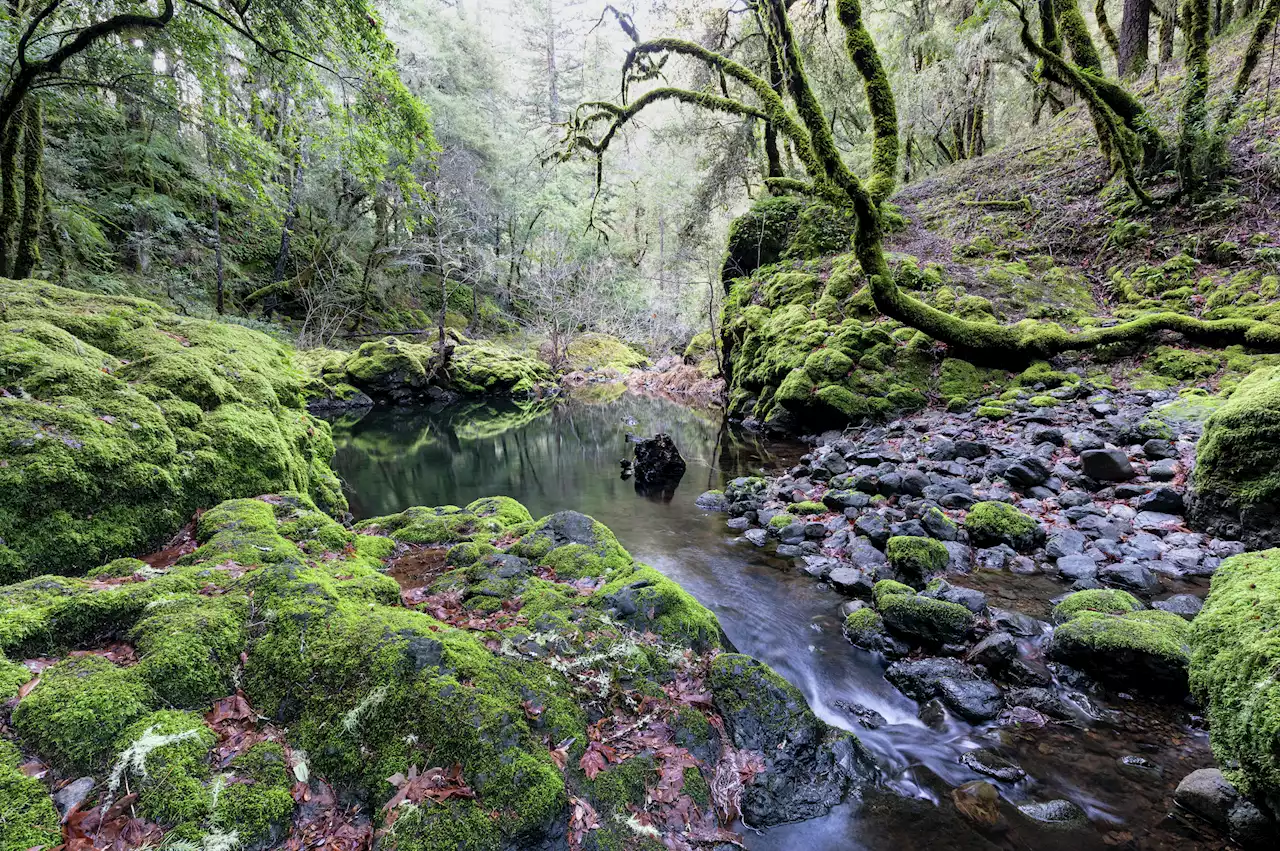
561	455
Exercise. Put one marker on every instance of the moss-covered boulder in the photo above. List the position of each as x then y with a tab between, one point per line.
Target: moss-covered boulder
992	523
1143	650
529	647
1237	472
392	371
1107	600
1234	662
119	419
594	351
27	816
925	620
915	558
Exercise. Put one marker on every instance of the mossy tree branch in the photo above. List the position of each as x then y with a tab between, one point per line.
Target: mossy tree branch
1115	136
832	179
1108	32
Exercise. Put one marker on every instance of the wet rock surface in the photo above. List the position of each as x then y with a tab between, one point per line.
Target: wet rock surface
1089	495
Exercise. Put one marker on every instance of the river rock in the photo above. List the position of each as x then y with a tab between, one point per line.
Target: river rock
1106	465
1184	605
992	764
954	683
994	652
1163	500
810	766
1057	813
1208	794
712	501
658	461
979	802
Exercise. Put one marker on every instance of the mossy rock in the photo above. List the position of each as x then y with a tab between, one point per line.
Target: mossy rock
916	558
1106	600
27	815
123	418
992	523
601	351
1237	471
760	236
1235	642
924	619
479	370
886	588
79	708
360	684
1145	650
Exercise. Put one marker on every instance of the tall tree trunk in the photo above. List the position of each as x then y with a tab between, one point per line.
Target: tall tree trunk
1075	31
1108	33
1135	31
290	219
1168	27
9	191
1195	91
1264	26
215	221
28	251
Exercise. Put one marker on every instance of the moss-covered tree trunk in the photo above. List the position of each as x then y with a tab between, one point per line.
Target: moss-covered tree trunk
1195	91
27	253
9	191
1265	25
1108	32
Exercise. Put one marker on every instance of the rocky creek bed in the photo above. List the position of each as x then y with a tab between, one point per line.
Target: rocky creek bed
1033	568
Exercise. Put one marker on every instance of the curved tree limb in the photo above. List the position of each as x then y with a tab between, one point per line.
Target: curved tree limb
884	113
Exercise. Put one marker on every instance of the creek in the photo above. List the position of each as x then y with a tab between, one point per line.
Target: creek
565	454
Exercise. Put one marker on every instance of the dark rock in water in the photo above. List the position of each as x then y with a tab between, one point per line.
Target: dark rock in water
712	501
756	536
1184	605
1106	465
811	766
994	652
1075	708
992	764
1139	767
953	682
658	461
1134	577
1209	795
1057	813
866	716
972	599
933	713
1163	471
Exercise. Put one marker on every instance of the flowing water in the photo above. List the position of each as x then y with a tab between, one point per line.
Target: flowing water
564	455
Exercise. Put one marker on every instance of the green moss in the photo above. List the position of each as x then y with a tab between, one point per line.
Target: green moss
117	569
1235	653
960	382
167	763
1042	402
863	626
916	558
124	418
990	523
924	618
12	677
806	508
993	412
886	588
1236	456
256	802
79	709
1106	600
1147	632
189	647
601	351
27	815
1041	372
761	235
451	826
1183	364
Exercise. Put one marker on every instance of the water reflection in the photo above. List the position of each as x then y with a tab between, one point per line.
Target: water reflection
565	454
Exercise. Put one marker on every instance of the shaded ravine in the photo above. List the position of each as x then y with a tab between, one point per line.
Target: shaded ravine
561	455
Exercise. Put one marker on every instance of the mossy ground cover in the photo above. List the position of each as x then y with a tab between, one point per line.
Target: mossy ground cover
549	681
118	419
